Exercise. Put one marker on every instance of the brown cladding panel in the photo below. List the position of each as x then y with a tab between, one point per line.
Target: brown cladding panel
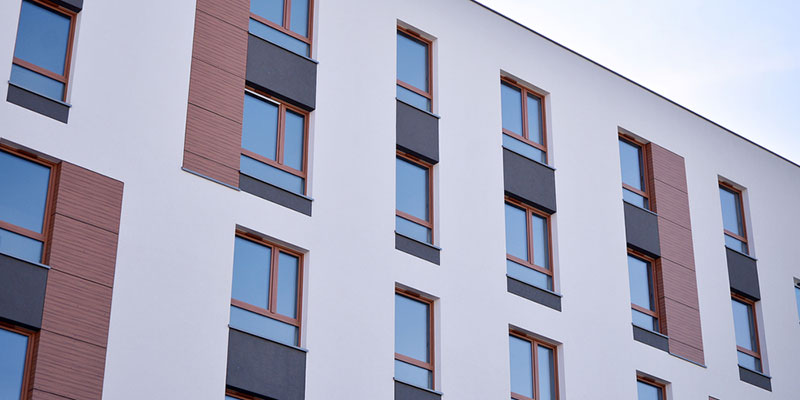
77	308
686	351
668	167
216	90
680	283
220	44
685	325
676	243
671	204
89	197
214	137
234	12
211	169
83	250
40	395
69	367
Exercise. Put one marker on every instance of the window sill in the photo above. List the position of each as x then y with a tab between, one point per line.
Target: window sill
651	338
419	249
755	378
535	294
425	111
275	194
28	99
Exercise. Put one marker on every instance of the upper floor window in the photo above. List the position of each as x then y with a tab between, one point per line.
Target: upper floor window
286	23
648	389
414	69
533	368
528	256
733	218
641	275
523	121
43	49
15	347
274	143
25	183
414	217
266	293
413	339
634	172
744	322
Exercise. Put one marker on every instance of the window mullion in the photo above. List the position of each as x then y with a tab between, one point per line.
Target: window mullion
524	98
281	133
535	362
529	228
287	13
273	281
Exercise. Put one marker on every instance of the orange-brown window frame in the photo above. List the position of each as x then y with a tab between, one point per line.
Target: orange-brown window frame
740	195
653	289
535	343
284	27
239	395
429	167
526	135
752	304
428	91
430	366
43	237
283	107
271	310
67	62
662	387
644	169
529	229
27	375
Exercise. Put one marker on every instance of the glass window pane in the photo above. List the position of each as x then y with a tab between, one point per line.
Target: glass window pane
42	37
269	9
535	131
644	321
251	272
412	188
541	253
511	99
13	348
630	158
288	267
412	229
411	328
516	232
260	126
641	282
413	374
735	244
731	211
262	326
524	149
23	185
294	140
272	175
797	296
634	198
230	398
20	246
279	38
414	99
412	62
546	366
648	392
748	361
521	366
36	82
299	17
529	276
743	325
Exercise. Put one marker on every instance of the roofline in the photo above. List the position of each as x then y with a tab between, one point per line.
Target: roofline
635	83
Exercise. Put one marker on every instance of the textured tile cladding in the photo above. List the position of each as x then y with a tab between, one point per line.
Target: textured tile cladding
216	90
676	281
71	354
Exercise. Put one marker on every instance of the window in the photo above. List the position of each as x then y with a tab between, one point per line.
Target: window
266	295
634	172
234	395
413	339
43	49
744	322
649	390
641	275
414	69
15	347
414	196
528	256
523	121
733	218
287	23
533	368
25	183
274	143
797	296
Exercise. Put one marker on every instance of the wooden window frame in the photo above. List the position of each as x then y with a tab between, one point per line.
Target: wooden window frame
525	138
427	92
27	374
239	395
529	229
643	148
535	343
752	305
271	310
284	27
653	289
283	107
429	167
652	382
49	206
430	366
740	194
70	40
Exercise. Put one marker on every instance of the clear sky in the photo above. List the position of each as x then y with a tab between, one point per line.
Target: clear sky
735	62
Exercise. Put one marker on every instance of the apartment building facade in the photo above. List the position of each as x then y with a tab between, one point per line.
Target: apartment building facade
196	201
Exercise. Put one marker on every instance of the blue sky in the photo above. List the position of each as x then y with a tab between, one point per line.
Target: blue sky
735	62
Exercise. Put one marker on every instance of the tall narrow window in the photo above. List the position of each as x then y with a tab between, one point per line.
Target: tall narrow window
43	49
648	389
634	172
523	121
744	322
266	295
14	354
286	23
733	218
414	55
414	217
533	368
413	340
274	143
25	183
528	256
641	275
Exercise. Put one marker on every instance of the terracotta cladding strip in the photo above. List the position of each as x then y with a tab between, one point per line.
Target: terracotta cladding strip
211	169
77	308
40	395
69	367
217	91
89	197
220	44
212	136
83	250
234	12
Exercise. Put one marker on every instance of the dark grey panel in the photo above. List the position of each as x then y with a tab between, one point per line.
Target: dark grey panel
22	287
641	230
37	103
533	293
743	274
275	194
74	5
754	378
417	132
651	338
404	391
416	248
265	368
281	73
529	181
